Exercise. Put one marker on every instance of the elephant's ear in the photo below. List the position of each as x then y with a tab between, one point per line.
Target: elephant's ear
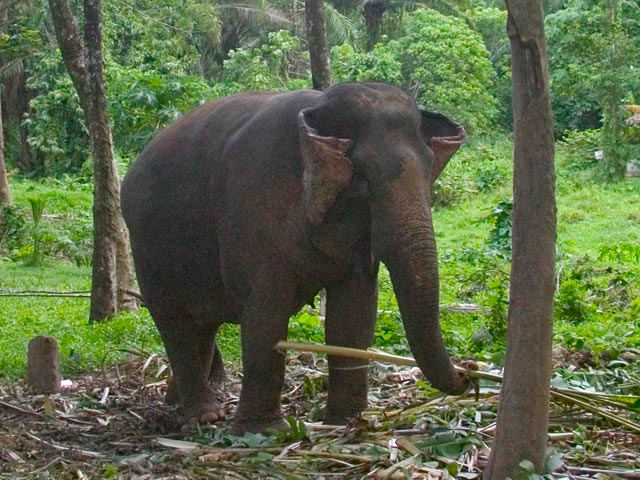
327	169
444	136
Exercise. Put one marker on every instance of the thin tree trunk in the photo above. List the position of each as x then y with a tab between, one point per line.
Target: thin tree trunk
104	292
522	424
318	49
373	10
112	275
5	193
71	47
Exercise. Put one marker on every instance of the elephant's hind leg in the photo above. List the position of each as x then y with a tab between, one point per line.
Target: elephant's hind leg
263	324
193	357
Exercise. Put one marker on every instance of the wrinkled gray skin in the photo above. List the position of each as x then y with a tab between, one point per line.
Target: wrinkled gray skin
248	206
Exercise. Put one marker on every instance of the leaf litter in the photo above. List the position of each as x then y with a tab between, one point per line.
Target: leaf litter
115	425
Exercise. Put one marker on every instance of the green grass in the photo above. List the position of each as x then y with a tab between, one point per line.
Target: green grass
597	311
83	346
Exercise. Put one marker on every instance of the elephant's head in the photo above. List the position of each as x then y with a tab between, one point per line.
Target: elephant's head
373	135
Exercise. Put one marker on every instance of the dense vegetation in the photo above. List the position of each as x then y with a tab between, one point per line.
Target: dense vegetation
163	60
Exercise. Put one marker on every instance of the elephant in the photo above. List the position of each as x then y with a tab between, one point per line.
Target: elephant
248	206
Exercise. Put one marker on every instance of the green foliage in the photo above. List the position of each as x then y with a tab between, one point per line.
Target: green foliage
491	22
65	234
166	37
594	58
449	66
143	101
13	227
448	444
499	240
581	146
588	290
378	65
274	66
481	166
306	326
389	333
37	208
57	132
622	252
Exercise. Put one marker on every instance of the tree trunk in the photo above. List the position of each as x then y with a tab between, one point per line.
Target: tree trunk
16	98
112	274
5	193
373	10
522	423
318	49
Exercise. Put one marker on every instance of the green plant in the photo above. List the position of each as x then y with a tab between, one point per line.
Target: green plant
379	65
573	302
271	66
307	327
499	239
13	227
621	252
37	208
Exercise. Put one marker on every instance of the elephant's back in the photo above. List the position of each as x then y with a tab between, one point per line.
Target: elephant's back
180	161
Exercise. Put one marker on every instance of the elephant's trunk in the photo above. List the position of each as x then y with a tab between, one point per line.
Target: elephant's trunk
407	247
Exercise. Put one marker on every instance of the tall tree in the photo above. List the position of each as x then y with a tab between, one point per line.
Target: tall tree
112	276
522	425
5	193
318	49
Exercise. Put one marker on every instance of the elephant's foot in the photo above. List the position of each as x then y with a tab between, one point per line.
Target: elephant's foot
344	410
340	419
208	411
259	425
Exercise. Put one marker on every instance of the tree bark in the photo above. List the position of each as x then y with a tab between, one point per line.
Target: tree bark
372	11
522	424
5	192
112	275
71	47
318	49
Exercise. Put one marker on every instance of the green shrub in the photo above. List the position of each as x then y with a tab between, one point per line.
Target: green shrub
499	240
13	227
449	66
479	167
273	66
379	65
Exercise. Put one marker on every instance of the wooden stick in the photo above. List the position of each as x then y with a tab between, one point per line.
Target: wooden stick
376	356
558	394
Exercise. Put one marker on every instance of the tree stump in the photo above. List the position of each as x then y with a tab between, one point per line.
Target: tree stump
43	365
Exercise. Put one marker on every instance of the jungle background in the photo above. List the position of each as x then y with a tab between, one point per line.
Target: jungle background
162	59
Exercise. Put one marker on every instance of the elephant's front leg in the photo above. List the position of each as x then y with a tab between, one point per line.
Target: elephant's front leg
263	325
350	322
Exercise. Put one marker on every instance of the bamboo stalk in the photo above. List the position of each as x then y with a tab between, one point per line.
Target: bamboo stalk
375	356
563	394
598	411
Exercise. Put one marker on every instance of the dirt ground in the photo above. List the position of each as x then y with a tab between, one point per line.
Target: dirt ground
114	425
